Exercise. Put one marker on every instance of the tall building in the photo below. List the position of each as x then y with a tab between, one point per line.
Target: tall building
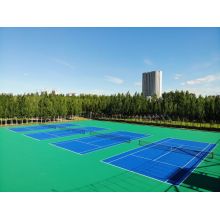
152	83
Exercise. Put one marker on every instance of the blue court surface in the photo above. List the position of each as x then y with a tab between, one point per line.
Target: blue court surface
41	127
98	141
63	132
169	160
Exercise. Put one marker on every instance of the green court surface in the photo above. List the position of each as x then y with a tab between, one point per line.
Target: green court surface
31	165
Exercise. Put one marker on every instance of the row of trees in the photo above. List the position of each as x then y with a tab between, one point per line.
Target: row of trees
177	105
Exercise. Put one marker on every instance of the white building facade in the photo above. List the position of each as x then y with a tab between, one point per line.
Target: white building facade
152	83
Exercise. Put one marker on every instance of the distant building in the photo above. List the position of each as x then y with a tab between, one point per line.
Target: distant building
71	94
152	83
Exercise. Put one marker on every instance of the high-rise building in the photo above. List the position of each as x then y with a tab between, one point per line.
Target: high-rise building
152	83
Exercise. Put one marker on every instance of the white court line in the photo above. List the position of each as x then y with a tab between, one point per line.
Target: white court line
196	156
188	174
91	142
94	149
97	146
12	130
100	148
72	134
198	164
179	147
125	136
87	151
155	161
154	144
110	163
83	152
136	173
106	146
170	151
163	155
65	149
85	143
41	139
48	133
30	137
92	136
184	139
18	132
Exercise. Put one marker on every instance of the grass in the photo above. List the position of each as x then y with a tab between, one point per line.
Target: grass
30	165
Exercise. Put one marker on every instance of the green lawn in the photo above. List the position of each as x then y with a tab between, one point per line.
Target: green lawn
30	165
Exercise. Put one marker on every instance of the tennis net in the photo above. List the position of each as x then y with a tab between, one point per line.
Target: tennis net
55	126
74	130
111	136
179	149
64	128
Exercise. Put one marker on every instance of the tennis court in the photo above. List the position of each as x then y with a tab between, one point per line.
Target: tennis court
98	141
41	127
169	160
92	155
63	132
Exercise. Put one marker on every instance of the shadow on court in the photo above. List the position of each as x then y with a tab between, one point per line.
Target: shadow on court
172	188
201	180
204	181
123	182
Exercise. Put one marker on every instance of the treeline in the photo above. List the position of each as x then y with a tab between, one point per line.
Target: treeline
178	105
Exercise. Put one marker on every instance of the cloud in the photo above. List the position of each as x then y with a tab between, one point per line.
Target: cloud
207	64
114	80
215	90
64	63
148	62
177	76
204	80
206	85
138	84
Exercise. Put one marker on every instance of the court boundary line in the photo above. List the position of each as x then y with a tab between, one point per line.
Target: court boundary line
196	156
35	125
39	139
195	166
184	147
110	163
63	149
135	152
96	149
113	145
156	161
184	139
135	172
198	164
100	148
30	137
128	170
55	136
113	139
11	130
157	158
120	135
189	170
97	146
17	131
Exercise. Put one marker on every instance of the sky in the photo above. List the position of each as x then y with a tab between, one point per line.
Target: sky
108	60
